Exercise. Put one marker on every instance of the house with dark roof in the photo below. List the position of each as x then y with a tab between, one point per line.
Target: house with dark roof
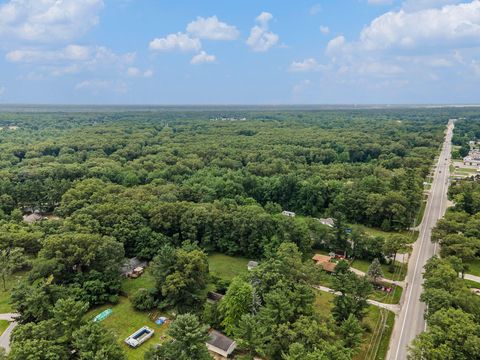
213	297
220	344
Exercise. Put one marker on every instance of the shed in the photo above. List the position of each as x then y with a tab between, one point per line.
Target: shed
131	264
288	213
327	221
33	217
220	344
213	297
252	265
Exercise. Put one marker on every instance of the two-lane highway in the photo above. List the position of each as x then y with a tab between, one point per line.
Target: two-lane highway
410	322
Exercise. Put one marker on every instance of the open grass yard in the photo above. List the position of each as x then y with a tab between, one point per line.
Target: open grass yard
227	267
375	345
398	274
323	302
130	286
11	281
376	338
472	284
3	326
392	298
474	267
379	232
124	321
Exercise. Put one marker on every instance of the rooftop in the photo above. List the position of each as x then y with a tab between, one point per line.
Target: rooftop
219	340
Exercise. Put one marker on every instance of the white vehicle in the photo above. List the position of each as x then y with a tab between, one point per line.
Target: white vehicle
139	337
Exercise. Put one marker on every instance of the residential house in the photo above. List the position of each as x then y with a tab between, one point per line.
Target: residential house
325	262
220	344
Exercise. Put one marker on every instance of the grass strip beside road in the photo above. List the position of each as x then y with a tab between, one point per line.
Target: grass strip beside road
3	326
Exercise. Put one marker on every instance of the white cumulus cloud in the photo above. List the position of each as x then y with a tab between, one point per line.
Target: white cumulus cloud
212	28
451	25
70	52
178	41
47	20
202	58
133	71
335	45
261	39
415	5
306	65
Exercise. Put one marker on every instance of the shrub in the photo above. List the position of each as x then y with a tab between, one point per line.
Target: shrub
144	299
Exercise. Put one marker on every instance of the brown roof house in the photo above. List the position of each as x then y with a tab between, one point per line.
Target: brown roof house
220	344
325	262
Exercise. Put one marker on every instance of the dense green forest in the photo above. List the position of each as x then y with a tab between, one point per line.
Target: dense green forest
173	186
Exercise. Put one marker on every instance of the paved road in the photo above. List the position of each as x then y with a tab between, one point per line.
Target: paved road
5	337
472	278
387	281
410	322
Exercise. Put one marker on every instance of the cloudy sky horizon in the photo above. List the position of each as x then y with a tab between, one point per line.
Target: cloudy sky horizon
249	52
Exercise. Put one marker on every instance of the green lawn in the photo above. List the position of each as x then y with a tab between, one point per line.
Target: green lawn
375	344
3	326
472	284
124	321
227	267
5	307
130	286
379	232
420	214
398	274
323	305
323	302
392	298
474	267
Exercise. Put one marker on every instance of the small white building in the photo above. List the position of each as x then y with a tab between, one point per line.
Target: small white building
288	213
327	222
252	265
220	344
33	217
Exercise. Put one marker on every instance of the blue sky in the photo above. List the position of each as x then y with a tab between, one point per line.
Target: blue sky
239	52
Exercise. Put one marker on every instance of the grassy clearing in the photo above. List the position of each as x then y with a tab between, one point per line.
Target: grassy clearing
124	321
130	286
392	298
373	347
323	302
227	267
3	326
474	267
472	284
399	273
379	232
13	280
